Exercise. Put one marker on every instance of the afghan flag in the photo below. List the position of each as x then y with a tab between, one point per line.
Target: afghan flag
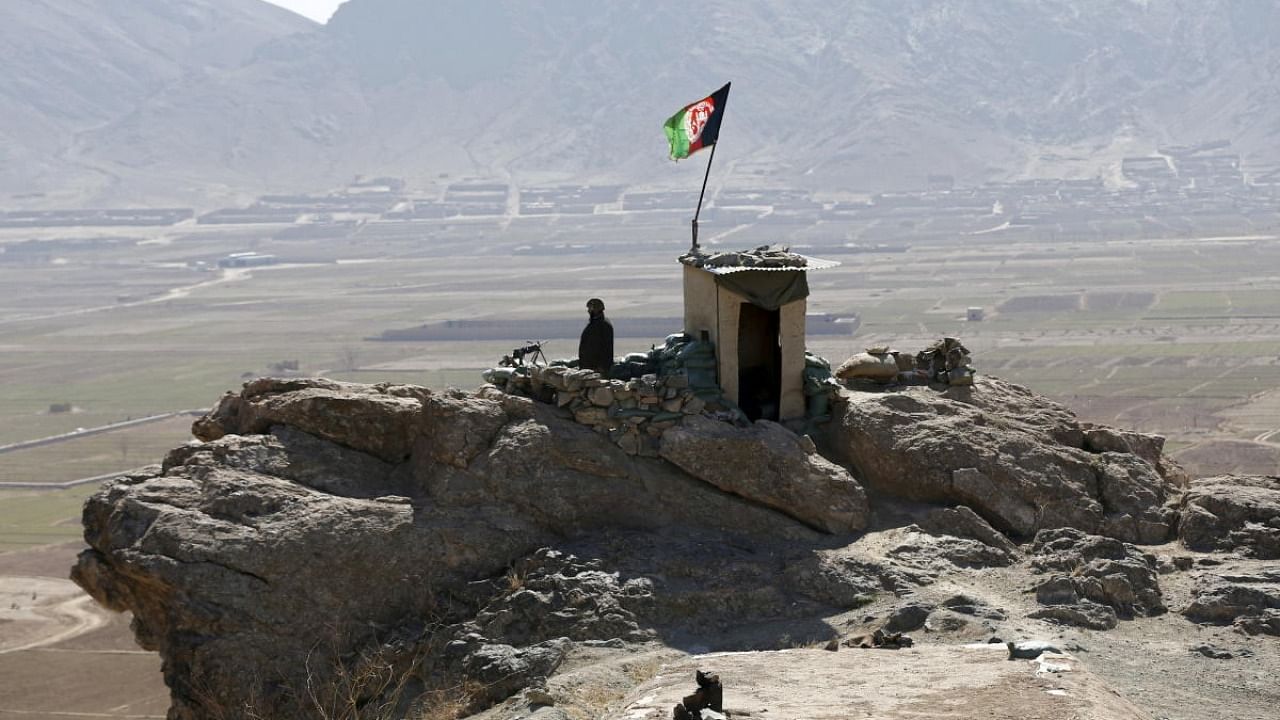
697	125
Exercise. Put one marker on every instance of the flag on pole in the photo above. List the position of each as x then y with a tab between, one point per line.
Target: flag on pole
697	125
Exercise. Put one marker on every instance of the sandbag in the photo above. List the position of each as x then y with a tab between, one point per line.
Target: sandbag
497	376
702	377
883	368
696	348
818	405
816	361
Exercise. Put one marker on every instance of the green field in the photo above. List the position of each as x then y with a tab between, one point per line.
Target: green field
31	518
107	452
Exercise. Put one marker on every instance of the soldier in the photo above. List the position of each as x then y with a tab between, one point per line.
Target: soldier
595	349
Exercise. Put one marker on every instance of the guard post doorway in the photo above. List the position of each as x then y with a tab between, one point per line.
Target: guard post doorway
759	362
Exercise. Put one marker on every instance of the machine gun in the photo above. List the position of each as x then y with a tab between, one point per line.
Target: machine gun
530	350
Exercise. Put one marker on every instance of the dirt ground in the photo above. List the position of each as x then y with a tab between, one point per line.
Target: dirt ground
1145	668
955	682
62	655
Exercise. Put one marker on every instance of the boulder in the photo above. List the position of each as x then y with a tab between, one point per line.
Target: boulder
969	605
768	464
962	522
1103	439
460	426
1136	499
1266	622
1057	590
235	576
928	550
1251	602
1226	513
1085	614
907	618
1014	458
500	671
381	420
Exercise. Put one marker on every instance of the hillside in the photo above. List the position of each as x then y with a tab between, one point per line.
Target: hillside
73	66
867	96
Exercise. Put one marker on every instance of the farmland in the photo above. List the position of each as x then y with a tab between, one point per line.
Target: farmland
1173	335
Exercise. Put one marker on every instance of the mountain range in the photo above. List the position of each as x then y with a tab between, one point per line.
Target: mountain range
191	100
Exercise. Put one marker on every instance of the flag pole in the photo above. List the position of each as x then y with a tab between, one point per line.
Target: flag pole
701	195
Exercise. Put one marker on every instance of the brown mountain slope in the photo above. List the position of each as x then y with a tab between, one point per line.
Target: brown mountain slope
75	65
868	95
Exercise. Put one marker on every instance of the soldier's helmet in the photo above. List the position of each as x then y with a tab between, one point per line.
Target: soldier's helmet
595	305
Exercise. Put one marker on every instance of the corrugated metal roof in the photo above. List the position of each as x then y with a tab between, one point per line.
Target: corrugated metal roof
811	263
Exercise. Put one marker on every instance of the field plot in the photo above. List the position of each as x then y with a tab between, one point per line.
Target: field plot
63	656
1177	336
1167	335
82	457
34	518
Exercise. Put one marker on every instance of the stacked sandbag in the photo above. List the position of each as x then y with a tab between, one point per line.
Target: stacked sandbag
878	364
696	359
633	365
819	386
513	379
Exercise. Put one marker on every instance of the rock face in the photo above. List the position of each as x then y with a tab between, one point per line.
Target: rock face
1020	461
770	465
1233	513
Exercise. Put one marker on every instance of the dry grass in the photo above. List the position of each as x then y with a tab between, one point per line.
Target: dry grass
595	699
448	703
643	670
515	579
589	702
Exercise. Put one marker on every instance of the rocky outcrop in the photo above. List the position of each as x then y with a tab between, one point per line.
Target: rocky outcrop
1250	602
1228	513
769	464
939	552
319	528
963	522
1017	459
315	509
1093	580
346	414
843	580
499	670
552	594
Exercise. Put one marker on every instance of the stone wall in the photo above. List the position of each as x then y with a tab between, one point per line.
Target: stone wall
632	413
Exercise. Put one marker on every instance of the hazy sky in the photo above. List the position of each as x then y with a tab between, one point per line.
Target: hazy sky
318	10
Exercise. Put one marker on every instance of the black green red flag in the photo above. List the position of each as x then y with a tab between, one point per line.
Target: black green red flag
697	125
